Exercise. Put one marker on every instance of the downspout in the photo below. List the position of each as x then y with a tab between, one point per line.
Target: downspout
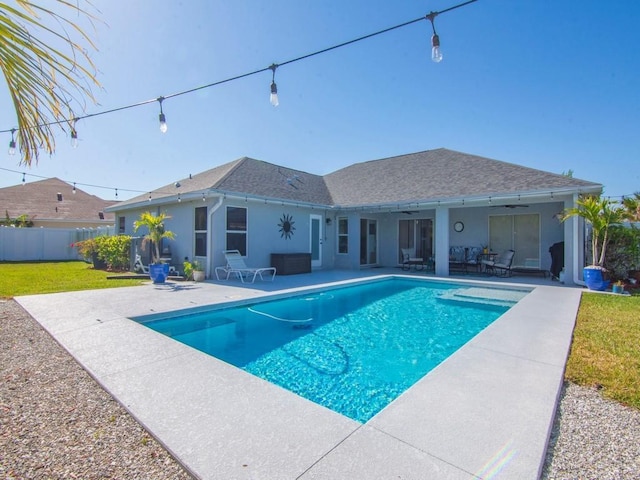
576	257
213	209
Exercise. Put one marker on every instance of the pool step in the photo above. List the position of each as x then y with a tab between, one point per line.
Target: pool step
485	296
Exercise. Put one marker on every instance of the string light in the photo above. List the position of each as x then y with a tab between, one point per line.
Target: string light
436	54
12	143
161	117
23	179
273	98
74	188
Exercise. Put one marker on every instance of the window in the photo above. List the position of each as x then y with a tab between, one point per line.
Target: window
200	229
237	229
121	224
343	235
416	235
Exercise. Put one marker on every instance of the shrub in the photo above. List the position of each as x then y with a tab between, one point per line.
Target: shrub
624	251
114	251
87	248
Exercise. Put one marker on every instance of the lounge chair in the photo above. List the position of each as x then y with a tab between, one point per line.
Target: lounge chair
236	266
501	266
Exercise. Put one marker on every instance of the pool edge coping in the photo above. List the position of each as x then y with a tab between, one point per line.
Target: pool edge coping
34	301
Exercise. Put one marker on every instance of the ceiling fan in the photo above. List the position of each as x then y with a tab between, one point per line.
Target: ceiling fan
510	206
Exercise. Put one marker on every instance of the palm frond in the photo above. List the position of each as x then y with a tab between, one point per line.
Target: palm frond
47	71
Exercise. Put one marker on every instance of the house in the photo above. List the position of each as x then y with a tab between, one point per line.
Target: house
54	203
363	215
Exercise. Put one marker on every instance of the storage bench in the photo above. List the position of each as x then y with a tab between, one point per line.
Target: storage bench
291	263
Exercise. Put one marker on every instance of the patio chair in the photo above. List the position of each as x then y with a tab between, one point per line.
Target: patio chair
409	258
236	266
472	257
501	266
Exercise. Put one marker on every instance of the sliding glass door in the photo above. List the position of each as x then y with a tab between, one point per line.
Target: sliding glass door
520	233
416	235
368	242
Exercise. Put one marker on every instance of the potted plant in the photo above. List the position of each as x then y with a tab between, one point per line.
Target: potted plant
602	214
155	233
193	271
198	271
618	287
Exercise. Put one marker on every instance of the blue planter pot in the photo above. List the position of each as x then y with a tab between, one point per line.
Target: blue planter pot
594	280
158	272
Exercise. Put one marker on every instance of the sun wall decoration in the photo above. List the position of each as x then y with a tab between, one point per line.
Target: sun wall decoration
286	227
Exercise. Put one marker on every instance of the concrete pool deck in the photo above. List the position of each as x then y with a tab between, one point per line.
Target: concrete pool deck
486	412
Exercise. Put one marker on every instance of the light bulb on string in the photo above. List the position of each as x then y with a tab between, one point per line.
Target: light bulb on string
23	179
12	143
436	53
273	98
161	117
74	188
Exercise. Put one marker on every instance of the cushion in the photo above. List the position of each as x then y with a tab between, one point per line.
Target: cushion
457	254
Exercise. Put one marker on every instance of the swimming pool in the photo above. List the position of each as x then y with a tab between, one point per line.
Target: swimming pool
353	349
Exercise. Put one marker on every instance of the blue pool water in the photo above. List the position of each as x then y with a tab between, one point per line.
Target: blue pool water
353	349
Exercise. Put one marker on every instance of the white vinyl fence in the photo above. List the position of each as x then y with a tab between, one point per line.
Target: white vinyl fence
23	244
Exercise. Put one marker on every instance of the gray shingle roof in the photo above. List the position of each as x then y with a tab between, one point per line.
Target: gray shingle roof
423	176
247	176
39	200
439	174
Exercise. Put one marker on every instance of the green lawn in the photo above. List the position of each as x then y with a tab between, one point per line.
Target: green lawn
606	346
28	278
606	342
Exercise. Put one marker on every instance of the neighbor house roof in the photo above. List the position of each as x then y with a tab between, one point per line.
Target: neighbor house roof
52	200
431	175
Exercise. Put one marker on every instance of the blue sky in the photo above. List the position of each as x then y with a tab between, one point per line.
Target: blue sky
548	85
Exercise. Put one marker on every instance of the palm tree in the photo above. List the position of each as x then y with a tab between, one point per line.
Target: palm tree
632	207
45	80
156	231
602	214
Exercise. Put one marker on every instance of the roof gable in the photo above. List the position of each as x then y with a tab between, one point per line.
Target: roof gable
251	177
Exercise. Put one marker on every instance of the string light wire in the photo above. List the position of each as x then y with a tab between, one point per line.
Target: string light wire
255	72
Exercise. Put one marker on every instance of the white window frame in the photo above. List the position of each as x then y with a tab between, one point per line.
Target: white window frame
245	231
341	235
